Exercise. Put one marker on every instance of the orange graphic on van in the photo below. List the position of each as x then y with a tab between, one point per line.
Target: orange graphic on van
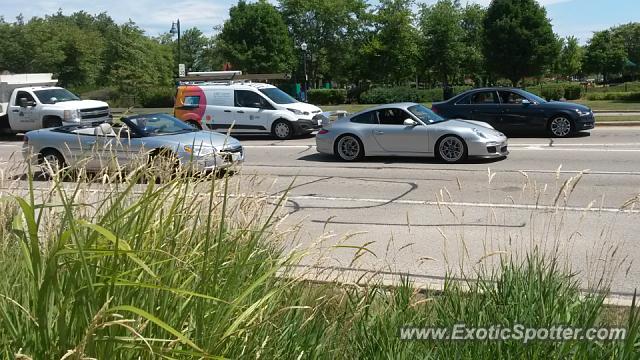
190	105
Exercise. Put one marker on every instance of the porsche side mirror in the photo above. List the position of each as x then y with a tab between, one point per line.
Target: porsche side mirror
410	122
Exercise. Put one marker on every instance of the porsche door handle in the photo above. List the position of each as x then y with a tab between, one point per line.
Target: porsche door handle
378	132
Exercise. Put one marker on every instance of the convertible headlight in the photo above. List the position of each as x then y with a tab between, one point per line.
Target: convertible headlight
295	111
199	150
479	133
71	115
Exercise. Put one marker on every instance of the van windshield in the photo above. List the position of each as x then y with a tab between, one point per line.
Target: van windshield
52	96
278	96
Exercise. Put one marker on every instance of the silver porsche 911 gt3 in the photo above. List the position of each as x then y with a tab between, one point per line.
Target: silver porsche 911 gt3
132	142
409	129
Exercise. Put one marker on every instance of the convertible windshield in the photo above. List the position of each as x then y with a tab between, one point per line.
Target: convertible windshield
160	124
52	96
278	96
423	113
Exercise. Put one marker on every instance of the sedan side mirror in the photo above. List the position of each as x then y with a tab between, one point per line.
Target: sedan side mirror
410	122
526	102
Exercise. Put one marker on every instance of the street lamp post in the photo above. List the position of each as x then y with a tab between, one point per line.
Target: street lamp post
175	29
303	47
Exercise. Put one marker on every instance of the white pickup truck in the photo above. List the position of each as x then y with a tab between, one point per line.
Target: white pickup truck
32	101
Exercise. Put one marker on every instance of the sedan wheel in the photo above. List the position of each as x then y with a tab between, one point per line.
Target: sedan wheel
452	149
349	148
560	127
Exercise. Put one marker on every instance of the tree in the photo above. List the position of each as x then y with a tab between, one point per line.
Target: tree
255	39
473	65
519	40
442	38
570	61
331	30
390	50
192	44
605	54
630	35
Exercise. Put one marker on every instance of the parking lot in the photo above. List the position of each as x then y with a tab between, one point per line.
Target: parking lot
423	217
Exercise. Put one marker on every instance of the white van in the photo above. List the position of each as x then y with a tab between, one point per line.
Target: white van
246	107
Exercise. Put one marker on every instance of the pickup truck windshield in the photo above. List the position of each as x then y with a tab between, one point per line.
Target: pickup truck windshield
52	96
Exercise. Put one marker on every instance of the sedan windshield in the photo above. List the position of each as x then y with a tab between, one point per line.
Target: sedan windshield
426	115
52	96
535	98
278	96
160	124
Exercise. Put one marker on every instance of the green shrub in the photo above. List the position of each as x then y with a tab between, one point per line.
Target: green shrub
400	94
157	97
327	96
619	96
572	91
552	92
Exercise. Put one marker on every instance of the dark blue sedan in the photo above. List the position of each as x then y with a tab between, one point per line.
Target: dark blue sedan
512	110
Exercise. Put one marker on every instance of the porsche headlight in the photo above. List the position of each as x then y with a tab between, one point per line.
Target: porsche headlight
199	150
479	133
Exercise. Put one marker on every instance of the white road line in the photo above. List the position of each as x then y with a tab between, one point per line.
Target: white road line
406	202
466	204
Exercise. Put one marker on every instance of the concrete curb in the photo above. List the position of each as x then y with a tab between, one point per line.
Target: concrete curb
617	123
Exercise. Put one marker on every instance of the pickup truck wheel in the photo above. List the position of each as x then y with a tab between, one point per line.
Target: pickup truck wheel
50	122
51	162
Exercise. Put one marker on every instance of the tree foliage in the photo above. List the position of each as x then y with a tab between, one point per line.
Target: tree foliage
519	40
605	54
570	60
331	29
391	45
442	39
255	39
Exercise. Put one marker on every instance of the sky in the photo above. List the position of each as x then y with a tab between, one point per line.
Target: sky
578	18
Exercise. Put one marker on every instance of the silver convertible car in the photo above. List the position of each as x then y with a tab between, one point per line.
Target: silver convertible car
409	129
133	141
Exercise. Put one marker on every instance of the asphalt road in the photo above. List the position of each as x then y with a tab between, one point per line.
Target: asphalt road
419	217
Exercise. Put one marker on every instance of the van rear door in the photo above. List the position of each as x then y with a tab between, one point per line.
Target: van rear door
219	114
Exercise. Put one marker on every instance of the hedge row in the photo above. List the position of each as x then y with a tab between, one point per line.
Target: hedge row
619	96
327	96
405	94
557	91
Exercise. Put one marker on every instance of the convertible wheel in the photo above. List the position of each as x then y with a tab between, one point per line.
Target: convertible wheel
452	149
349	148
282	130
51	162
560	127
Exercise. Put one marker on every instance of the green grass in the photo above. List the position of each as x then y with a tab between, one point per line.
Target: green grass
183	270
610	105
634	118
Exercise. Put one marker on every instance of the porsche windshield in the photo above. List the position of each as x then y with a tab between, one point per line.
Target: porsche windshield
423	113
